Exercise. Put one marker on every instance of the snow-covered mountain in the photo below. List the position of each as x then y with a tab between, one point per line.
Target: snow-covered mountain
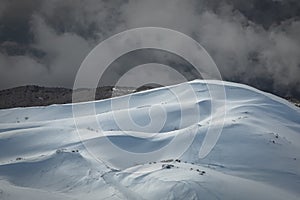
42	156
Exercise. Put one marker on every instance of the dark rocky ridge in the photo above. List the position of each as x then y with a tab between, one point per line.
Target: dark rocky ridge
28	96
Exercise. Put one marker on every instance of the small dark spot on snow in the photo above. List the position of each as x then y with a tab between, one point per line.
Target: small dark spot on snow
169	160
167	166
60	151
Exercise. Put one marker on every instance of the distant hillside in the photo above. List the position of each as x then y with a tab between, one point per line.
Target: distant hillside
27	96
32	95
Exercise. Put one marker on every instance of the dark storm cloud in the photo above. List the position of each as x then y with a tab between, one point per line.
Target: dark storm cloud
264	12
268	12
245	49
49	39
15	20
140	57
255	42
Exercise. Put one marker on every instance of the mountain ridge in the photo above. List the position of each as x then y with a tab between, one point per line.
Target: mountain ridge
33	95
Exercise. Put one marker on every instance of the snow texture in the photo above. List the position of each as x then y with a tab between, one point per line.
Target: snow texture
256	157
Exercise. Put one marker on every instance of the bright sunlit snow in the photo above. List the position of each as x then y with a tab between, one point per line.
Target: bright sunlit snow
42	156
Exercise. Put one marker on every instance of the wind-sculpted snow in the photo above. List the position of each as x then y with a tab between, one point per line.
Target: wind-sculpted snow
46	153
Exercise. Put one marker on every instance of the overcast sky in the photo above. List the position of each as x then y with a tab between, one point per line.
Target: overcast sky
256	42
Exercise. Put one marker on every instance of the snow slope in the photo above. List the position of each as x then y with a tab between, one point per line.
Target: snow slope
42	156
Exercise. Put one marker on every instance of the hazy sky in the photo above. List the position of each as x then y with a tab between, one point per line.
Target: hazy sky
256	42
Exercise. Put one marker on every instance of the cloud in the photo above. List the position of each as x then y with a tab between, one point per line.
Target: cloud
65	52
177	15
254	42
245	53
28	71
244	50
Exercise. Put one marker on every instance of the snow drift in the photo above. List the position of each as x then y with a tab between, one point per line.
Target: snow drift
42	156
